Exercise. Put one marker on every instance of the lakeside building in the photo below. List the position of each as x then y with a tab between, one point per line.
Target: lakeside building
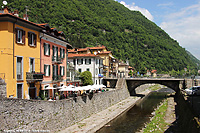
123	70
31	52
54	49
20	55
110	64
88	62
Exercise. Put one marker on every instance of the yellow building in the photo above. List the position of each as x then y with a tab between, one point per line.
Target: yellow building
20	55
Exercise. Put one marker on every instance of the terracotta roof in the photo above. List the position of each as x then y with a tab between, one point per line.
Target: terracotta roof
105	52
83	49
130	67
102	47
10	14
153	71
81	55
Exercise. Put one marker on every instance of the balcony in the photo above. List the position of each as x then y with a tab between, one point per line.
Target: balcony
34	76
57	60
57	78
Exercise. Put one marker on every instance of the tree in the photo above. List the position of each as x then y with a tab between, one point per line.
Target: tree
86	78
130	73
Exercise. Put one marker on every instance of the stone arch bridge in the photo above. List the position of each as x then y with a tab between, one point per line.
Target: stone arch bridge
133	83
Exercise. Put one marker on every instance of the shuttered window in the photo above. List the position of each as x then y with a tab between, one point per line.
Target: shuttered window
32	39
62	70
46	49
20	36
46	70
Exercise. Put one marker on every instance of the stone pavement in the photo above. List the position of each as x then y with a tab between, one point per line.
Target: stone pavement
96	121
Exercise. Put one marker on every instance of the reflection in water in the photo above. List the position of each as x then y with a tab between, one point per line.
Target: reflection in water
134	119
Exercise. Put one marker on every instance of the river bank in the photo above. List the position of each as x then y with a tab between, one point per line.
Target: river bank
96	121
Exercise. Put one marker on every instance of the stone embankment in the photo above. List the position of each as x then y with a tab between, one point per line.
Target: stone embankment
38	115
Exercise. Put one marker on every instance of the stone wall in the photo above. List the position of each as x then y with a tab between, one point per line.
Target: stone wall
24	114
2	89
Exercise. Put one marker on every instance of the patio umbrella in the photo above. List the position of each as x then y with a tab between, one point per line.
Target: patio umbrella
49	88
103	86
67	88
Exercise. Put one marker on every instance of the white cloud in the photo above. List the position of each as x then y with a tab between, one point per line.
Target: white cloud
184	26
144	11
166	4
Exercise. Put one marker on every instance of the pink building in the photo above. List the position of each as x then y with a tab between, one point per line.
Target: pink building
53	59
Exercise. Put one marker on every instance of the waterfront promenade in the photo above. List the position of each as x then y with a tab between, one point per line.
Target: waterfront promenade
96	121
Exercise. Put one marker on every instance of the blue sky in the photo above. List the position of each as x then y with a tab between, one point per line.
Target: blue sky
179	18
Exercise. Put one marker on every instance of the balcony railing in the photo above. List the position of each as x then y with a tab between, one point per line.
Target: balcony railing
57	59
34	76
57	78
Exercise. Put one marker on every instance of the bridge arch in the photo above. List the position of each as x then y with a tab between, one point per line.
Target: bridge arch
175	84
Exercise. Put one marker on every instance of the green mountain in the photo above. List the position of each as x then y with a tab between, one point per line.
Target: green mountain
128	34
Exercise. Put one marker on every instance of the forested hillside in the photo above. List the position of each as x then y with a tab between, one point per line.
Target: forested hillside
128	34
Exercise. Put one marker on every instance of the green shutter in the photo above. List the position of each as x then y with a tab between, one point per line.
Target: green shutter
49	48
53	50
60	70
56	69
44	48
63	70
63	53
60	53
53	75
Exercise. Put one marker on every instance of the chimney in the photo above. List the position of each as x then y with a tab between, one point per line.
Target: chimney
25	17
16	13
5	10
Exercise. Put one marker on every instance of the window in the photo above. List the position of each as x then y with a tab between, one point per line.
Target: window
20	36
88	69
62	70
55	53
96	71
97	61
79	61
62	53
79	70
32	65
87	61
46	70
32	39
19	68
46	49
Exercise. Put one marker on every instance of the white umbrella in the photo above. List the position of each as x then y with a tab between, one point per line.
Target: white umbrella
103	86
67	88
96	87
49	88
71	86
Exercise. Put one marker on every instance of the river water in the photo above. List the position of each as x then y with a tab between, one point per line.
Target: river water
135	118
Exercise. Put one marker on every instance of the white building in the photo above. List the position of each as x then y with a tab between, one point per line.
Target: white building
88	62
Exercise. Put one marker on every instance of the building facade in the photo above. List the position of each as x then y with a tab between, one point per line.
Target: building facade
53	59
88	62
20	55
